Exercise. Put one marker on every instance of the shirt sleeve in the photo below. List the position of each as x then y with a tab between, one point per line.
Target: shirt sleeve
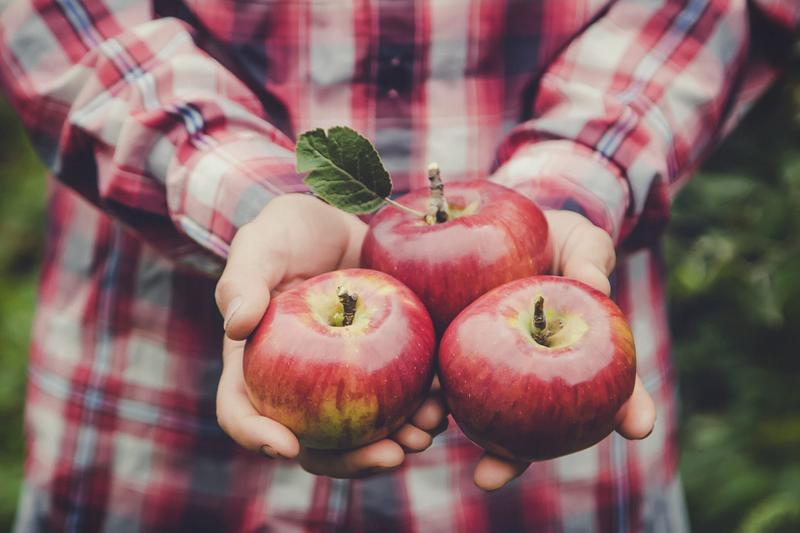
631	106
127	109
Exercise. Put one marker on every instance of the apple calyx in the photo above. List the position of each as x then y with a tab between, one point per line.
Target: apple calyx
348	313
437	206
540	331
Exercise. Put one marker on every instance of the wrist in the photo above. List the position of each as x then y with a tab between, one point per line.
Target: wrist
564	175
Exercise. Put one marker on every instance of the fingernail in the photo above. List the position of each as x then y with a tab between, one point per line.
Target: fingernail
269	452
234	306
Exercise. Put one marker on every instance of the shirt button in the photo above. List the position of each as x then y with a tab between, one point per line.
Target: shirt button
392	93
395	61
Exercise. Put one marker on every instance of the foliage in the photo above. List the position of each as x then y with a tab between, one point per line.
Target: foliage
733	247
21	223
345	170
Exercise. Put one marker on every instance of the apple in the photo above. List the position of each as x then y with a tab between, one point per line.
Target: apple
342	359
488	235
537	368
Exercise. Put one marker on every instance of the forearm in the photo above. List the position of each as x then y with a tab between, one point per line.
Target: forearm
127	110
632	106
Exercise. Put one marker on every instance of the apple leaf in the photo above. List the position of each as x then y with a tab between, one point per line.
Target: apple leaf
344	169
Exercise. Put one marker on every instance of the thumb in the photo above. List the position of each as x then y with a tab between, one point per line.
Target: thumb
583	251
635	420
254	267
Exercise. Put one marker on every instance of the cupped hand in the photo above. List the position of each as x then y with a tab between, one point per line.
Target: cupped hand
296	237
584	252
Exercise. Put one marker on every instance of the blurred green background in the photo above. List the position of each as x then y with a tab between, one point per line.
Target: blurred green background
733	248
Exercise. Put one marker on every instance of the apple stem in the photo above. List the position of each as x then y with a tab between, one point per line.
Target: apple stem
437	206
348	302
539	330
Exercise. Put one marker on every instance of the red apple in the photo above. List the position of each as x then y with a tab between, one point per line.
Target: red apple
529	391
338	385
493	235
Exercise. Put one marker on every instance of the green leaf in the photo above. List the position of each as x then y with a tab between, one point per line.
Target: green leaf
344	169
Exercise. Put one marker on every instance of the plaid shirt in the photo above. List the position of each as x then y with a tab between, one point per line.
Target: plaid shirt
167	125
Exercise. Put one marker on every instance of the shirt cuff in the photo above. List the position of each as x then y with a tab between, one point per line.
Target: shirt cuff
219	188
562	174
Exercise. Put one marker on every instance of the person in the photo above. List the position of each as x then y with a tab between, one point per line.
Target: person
169	127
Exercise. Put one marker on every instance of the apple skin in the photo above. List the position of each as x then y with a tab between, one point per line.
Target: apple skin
526	402
449	265
341	387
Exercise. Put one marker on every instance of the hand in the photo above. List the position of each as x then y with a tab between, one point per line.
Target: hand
584	252
294	238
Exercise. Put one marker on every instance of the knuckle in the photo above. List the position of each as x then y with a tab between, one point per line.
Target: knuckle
604	237
608	245
285	203
604	246
246	232
223	290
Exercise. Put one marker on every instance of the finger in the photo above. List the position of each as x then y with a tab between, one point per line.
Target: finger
582	251
493	473
431	415
590	275
239	419
413	439
636	419
377	457
255	265
588	256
